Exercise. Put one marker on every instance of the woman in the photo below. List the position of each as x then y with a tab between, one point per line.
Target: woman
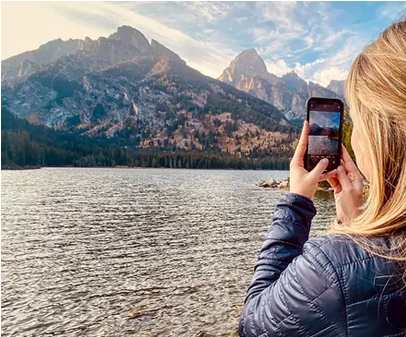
352	281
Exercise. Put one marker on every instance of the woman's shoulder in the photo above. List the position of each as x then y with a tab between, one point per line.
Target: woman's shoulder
369	283
338	249
355	264
342	250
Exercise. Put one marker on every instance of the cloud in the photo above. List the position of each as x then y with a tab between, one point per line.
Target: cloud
278	68
324	76
52	20
27	25
202	56
309	41
337	66
305	71
281	13
324	69
393	10
318	40
290	28
315	48
212	11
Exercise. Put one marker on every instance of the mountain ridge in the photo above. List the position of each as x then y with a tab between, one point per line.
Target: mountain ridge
144	95
289	93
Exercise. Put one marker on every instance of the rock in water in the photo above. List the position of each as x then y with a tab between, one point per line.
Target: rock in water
270	183
284	184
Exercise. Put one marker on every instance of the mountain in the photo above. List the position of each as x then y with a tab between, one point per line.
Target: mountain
316	130
27	63
141	95
289	93
246	65
337	87
293	81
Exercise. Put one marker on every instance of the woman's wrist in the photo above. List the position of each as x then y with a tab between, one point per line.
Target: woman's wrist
299	195
306	194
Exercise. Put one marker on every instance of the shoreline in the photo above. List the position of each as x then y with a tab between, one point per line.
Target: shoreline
128	167
20	168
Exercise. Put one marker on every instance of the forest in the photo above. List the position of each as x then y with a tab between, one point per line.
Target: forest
28	145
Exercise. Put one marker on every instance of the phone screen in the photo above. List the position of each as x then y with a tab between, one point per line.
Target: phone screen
325	121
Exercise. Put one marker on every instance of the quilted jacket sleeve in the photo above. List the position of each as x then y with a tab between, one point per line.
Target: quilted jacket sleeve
295	289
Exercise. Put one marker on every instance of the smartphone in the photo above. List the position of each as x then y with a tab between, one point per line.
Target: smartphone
325	116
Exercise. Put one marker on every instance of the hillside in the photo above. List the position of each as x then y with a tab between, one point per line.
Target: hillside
142	96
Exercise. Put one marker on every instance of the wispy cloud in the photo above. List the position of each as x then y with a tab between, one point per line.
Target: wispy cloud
212	11
318	40
337	66
323	70
391	10
102	18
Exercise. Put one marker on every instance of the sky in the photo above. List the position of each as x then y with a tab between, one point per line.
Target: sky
318	40
325	119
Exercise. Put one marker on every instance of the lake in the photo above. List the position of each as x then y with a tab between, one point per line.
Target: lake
142	252
322	145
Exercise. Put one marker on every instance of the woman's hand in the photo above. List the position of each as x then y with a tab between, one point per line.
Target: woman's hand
302	181
348	186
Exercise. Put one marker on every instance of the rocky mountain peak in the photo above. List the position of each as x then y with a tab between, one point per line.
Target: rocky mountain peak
248	72
249	53
160	49
293	81
337	87
247	65
131	36
125	44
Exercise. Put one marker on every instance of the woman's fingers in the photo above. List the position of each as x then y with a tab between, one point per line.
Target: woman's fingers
319	169
343	166
348	162
353	175
328	175
298	157
335	184
343	179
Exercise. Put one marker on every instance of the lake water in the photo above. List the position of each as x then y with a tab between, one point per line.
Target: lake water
321	145
141	252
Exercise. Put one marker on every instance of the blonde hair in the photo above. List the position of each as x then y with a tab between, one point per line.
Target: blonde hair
376	95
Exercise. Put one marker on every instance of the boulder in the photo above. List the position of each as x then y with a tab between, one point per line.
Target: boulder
270	183
284	184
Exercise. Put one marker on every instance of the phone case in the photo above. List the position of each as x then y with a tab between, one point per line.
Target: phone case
327	101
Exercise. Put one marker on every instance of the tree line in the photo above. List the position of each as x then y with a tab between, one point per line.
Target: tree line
24	144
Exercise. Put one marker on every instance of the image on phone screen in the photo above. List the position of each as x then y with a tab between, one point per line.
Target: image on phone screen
324	134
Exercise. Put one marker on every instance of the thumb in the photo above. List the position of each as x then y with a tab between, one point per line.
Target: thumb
343	179
319	169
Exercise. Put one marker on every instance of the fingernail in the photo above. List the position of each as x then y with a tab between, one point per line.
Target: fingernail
340	169
324	161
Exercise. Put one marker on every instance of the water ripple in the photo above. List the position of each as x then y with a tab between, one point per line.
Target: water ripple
142	252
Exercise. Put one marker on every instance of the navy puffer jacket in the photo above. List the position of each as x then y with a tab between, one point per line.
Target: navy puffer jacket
328	286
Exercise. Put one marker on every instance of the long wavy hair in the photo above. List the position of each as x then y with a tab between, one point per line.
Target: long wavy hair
376	95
